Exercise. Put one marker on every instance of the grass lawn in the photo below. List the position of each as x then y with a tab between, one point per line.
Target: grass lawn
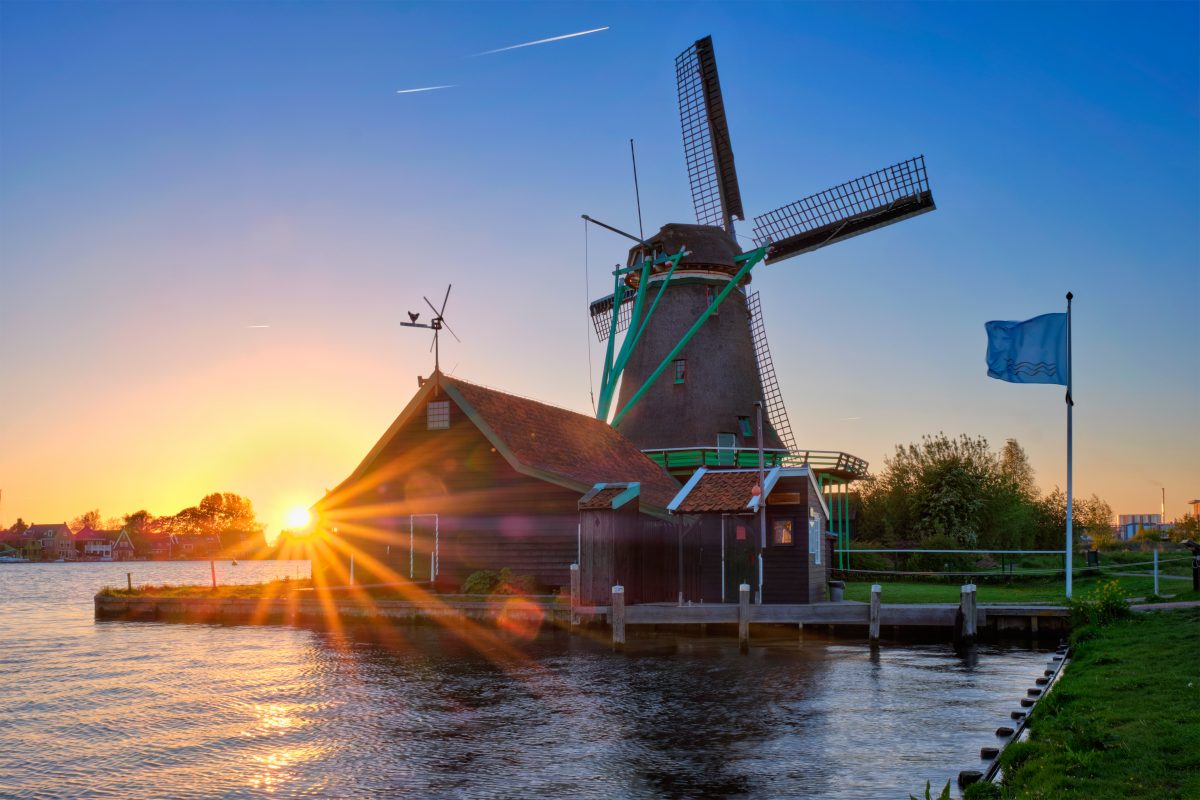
1123	721
1024	591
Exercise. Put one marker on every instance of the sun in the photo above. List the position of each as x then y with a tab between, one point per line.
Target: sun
298	518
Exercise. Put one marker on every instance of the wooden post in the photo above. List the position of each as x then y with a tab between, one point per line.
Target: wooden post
618	616
129	580
876	603
574	593
744	616
212	565
966	604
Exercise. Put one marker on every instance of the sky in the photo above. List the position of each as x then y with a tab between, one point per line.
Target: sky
213	217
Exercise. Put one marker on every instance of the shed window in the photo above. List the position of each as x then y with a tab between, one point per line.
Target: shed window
781	531
744	425
437	415
680	370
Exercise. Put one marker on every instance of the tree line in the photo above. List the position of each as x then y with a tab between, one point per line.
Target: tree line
225	515
946	493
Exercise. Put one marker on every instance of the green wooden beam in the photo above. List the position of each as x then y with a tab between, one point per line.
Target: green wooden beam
748	261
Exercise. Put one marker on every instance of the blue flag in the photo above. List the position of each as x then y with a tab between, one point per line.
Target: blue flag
1033	351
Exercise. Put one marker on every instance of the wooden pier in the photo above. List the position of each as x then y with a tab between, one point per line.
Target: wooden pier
965	621
962	622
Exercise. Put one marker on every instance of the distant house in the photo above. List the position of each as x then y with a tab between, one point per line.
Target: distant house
122	547
50	542
160	546
93	545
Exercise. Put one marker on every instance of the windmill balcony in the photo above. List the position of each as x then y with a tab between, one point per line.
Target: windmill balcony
686	460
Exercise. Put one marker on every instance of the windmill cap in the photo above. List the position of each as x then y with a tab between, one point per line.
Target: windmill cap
709	247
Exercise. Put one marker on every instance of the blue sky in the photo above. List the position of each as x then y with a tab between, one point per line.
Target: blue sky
171	173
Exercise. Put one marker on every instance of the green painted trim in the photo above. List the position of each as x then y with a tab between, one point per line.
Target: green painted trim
607	380
637	324
749	260
631	493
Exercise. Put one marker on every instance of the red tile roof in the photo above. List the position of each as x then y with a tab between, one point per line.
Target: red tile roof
564	444
602	499
720	491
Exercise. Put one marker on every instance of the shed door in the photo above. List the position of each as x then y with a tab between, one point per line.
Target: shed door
740	563
423	548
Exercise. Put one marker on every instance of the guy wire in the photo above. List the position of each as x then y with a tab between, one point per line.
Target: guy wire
588	292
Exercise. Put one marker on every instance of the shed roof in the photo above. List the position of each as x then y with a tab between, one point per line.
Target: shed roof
553	444
732	490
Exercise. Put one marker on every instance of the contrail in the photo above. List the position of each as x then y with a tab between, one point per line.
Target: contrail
258	326
542	41
425	88
847	419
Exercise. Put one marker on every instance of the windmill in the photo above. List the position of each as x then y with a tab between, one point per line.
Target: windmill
694	358
436	324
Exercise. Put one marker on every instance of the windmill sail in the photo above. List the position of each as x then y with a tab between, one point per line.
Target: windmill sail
706	143
863	204
772	396
601	311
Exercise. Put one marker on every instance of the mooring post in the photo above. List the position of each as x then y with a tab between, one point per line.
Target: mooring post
876	605
618	616
129	580
212	565
574	593
744	616
966	605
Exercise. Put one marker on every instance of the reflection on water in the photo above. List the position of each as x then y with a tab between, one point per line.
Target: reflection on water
146	710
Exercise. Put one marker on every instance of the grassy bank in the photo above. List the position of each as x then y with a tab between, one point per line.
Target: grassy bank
1122	723
1018	591
256	590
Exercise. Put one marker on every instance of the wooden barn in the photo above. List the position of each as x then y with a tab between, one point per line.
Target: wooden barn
469	478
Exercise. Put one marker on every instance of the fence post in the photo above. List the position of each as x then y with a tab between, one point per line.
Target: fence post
574	593
129	580
1156	571
618	616
744	616
967	607
876	603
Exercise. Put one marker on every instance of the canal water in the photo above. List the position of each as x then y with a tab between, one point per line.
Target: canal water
146	710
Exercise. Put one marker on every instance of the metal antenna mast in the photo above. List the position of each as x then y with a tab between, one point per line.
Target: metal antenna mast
436	324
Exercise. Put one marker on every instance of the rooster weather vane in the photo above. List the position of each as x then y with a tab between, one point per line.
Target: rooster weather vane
436	324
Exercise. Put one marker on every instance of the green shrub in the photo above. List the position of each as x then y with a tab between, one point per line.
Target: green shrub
487	581
480	582
940	562
983	790
1108	603
874	562
945	794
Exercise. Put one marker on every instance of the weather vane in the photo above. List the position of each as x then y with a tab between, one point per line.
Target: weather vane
436	324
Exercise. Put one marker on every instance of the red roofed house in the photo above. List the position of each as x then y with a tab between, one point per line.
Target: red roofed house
469	478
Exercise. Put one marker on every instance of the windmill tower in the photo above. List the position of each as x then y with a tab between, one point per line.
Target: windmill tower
694	358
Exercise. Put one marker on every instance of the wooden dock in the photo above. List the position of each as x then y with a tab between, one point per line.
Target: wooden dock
962	622
965	620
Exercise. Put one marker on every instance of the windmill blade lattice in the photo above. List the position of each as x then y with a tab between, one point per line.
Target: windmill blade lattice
863	204
706	144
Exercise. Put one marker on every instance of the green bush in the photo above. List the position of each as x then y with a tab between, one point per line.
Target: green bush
874	562
983	791
480	582
1108	603
940	562
944	795
487	581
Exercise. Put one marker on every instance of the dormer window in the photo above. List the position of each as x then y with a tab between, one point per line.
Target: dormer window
437	415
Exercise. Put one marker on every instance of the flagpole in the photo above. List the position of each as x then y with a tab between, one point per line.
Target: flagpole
1070	408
